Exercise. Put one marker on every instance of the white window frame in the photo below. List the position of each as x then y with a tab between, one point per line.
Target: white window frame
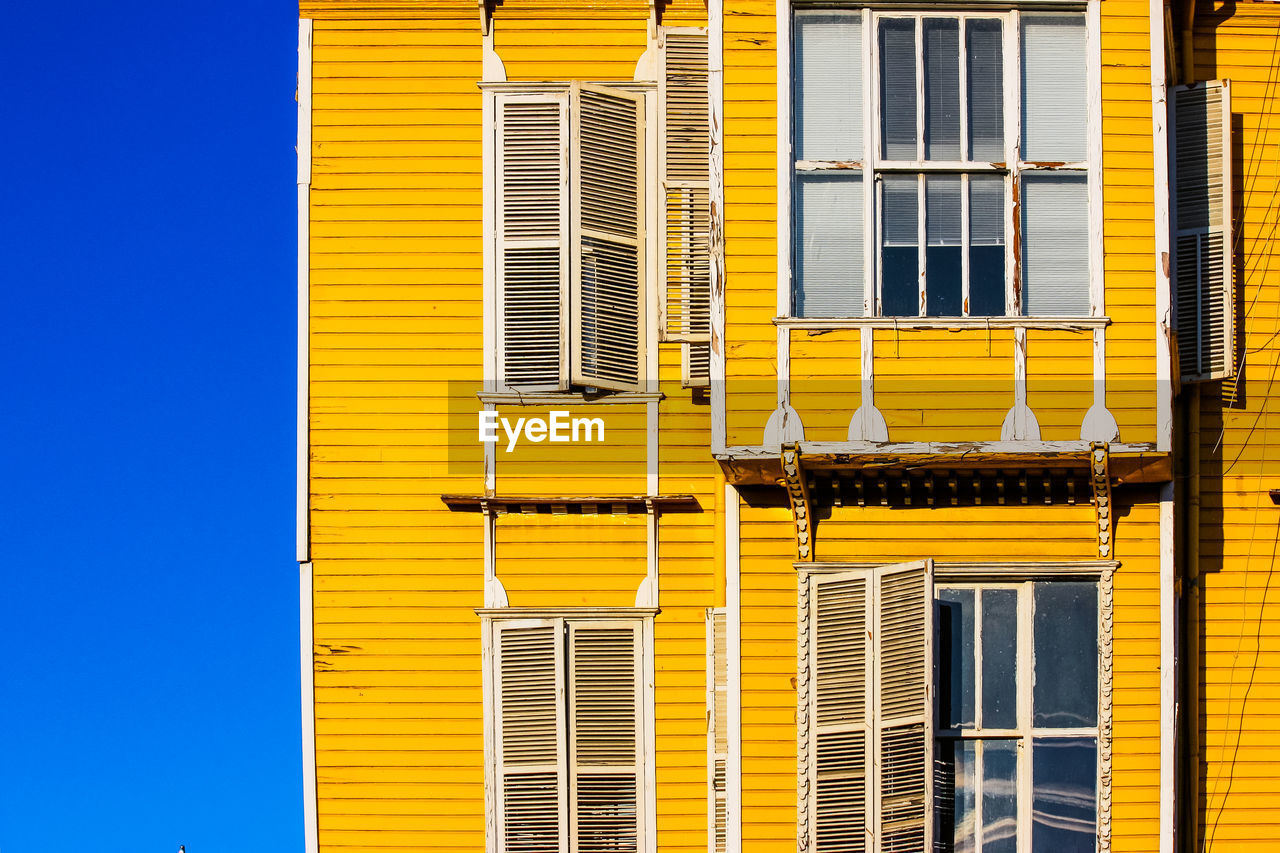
788	168
651	261
952	575
640	617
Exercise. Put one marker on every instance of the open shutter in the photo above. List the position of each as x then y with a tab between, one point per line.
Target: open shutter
1204	307
529	689
902	639
607	251
686	174
532	252
605	678
718	725
839	696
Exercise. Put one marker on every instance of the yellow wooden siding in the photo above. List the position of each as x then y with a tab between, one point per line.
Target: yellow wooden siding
396	355
1238	638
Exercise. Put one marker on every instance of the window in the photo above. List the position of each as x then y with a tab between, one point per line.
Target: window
917	138
1009	719
569	197
1017	728
569	735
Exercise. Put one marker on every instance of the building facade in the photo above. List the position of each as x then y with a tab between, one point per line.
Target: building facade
741	425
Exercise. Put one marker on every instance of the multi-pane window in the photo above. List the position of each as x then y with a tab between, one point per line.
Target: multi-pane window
940	164
1017	728
991	686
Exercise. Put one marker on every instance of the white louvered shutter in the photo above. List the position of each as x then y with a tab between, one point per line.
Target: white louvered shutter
686	174
840	742
718	725
532	252
1204	307
532	795
607	251
605	678
902	640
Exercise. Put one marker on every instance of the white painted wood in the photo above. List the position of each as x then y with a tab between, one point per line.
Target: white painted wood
490	710
1093	83
1067	324
868	423
303	508
1164	318
648	745
495	595
871	147
491	68
733	648
1020	423
574	398
934	447
306	648
1099	424
1169	654
785	175
504	613
715	95
1012	76
488	227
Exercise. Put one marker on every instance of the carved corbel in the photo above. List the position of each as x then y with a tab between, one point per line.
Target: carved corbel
1100	478
798	495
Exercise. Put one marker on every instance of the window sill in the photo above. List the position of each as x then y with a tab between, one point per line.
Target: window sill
568	398
830	323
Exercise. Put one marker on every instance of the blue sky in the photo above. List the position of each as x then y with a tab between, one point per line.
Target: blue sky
148	613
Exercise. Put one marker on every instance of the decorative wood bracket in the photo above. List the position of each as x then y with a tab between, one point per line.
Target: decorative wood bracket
798	494
486	14
1100	477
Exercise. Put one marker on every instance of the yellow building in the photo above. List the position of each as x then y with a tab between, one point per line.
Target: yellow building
756	426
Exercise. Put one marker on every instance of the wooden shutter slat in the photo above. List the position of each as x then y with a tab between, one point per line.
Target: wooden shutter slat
1204	305
608	238
604	761
903	650
718	720
840	731
686	176
532	239
530	751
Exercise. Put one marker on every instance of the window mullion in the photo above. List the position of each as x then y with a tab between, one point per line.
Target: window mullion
1024	679
922	241
1012	147
965	154
922	235
964	244
871	147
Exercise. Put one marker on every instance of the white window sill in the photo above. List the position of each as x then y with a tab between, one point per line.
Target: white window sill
568	398
828	323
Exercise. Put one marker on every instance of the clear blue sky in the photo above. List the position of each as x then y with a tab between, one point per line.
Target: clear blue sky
148	611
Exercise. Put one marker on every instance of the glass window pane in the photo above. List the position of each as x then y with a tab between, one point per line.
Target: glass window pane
986	246
1054	114
898	88
999	658
1064	800
955	795
829	263
1000	796
828	84
1055	244
1066	654
900	267
941	89
985	59
956	657
943	270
